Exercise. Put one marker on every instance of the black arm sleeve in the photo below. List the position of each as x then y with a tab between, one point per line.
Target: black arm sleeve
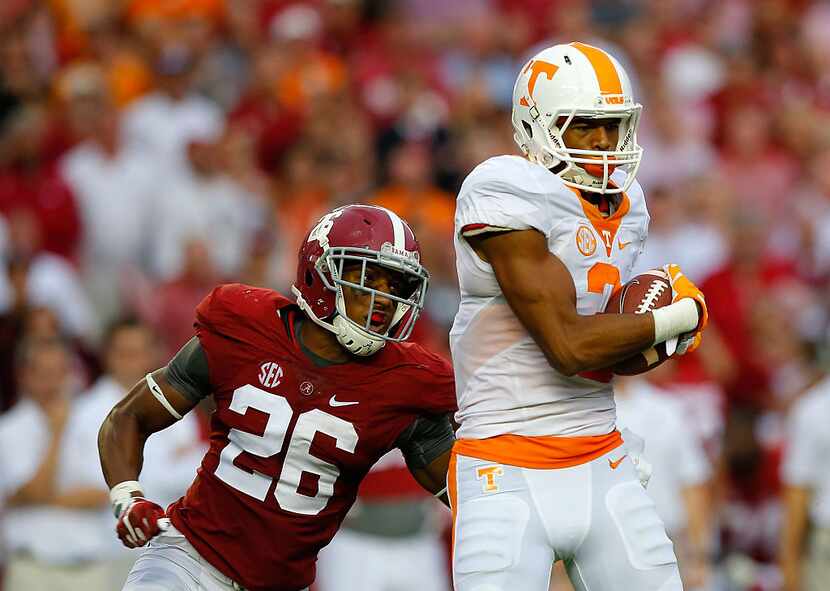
426	439
187	372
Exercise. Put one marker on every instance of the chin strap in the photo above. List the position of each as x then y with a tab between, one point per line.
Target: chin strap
354	340
580	176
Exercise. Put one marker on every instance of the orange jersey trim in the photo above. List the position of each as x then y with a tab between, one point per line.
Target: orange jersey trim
606	227
543	452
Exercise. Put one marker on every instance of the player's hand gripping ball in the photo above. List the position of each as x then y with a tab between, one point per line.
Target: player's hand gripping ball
644	293
681	288
138	522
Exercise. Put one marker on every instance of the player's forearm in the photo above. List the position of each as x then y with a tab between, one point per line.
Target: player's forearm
602	340
577	343
121	446
433	477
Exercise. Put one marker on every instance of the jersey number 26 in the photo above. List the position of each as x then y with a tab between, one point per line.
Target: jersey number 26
298	458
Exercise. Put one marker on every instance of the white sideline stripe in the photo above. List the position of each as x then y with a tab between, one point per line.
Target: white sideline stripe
159	395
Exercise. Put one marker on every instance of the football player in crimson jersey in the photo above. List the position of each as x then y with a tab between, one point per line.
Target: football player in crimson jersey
309	394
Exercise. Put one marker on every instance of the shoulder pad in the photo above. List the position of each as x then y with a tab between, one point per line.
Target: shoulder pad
234	309
428	373
513	172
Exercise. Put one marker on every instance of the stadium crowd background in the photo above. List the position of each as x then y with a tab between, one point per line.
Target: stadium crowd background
150	149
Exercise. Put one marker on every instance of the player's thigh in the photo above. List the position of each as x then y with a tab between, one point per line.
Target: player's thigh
166	565
626	546
499	543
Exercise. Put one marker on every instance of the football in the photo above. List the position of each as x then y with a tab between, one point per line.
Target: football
644	293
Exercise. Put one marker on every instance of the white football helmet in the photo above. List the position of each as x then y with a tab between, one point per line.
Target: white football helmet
576	80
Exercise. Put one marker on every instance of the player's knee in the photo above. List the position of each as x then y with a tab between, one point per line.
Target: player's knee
642	532
489	533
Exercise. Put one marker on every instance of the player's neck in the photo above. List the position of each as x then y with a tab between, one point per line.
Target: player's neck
322	342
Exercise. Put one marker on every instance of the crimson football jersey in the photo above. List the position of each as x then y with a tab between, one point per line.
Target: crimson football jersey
290	441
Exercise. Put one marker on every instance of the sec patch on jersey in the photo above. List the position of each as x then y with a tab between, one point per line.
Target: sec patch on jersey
644	293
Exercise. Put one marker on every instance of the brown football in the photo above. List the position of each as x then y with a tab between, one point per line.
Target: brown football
644	293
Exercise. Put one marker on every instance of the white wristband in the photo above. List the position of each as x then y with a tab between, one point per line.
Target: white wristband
122	493
674	319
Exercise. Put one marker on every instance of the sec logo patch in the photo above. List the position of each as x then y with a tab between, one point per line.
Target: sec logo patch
270	374
586	242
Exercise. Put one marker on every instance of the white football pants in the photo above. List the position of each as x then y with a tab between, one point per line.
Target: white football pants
171	563
512	523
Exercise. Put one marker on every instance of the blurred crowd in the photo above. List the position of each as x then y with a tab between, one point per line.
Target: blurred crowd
150	149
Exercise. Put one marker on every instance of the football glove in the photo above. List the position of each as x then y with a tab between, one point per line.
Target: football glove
139	521
682	287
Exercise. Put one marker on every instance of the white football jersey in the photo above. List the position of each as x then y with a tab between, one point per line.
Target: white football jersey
504	383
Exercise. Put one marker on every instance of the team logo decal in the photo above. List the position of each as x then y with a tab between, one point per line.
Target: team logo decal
306	388
487	475
586	242
270	374
320	232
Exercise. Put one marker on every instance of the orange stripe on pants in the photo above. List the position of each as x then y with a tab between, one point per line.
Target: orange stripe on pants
542	452
452	492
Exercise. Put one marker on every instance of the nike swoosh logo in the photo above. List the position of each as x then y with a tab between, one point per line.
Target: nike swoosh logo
334	402
622	244
615	464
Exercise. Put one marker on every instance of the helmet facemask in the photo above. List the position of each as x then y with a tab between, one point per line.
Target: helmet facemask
360	338
589	170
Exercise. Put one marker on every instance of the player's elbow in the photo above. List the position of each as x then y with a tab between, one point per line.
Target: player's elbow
568	355
119	420
564	360
110	425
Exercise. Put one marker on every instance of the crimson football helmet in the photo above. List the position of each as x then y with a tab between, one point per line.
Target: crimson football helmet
364	235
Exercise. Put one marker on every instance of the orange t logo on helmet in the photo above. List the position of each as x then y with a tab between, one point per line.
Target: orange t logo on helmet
539	67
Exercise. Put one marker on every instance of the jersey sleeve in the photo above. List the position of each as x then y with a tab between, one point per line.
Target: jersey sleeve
240	312
188	371
499	197
425	440
437	385
218	311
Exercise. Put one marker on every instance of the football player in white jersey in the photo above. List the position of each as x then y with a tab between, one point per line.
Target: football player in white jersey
539	472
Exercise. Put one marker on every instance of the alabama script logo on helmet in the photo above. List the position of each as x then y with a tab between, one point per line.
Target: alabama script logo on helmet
576	80
368	235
